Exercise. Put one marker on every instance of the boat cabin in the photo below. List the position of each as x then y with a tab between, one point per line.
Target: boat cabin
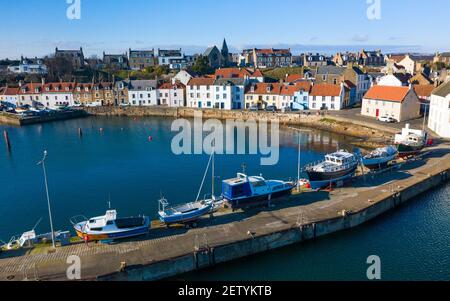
340	158
243	186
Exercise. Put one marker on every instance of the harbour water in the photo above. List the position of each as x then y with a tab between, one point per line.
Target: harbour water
115	161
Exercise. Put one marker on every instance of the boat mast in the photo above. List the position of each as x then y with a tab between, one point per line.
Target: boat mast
212	174
299	157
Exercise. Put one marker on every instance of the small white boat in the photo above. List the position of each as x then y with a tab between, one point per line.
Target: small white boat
379	158
109	227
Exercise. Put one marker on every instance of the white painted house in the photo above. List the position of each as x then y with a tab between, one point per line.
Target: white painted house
56	95
172	95
228	93
327	97
439	119
200	92
400	103
142	93
9	96
183	77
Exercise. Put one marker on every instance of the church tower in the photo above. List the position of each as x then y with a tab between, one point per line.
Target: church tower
225	54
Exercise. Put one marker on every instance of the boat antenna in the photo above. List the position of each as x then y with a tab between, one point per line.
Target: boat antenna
204	177
39	221
243	168
109	201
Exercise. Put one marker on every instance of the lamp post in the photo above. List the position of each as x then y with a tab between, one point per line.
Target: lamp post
42	162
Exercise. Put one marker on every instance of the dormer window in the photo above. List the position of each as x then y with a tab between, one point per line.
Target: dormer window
56	88
24	90
268	89
36	90
79	89
67	88
47	89
86	89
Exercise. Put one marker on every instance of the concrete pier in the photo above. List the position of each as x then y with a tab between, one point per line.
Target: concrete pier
14	119
169	252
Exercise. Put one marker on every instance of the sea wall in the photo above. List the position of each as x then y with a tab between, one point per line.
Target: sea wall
320	121
213	255
14	119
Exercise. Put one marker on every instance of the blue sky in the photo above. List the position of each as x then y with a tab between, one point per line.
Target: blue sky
31	27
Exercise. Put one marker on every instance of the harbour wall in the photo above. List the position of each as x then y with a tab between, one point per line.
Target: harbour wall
321	121
211	255
14	119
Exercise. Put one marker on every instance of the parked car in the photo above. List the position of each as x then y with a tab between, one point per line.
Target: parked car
271	108
253	108
387	119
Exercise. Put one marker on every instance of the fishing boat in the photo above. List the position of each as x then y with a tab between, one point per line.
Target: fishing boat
109	227
192	211
338	166
410	142
184	213
379	158
246	190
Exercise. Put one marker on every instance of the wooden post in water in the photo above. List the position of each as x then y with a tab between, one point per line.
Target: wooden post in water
6	136
80	133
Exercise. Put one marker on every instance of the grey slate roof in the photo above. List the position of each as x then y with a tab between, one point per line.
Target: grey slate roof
230	81
210	49
330	70
443	90
141	85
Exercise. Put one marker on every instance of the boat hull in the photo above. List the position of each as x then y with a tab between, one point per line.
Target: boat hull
330	176
408	150
187	217
378	163
326	183
125	233
258	199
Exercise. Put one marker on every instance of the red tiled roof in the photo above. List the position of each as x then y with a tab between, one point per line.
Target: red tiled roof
397	58
201	81
387	93
423	90
232	72
305	85
273	51
325	90
30	88
290	89
58	87
9	91
293	77
262	88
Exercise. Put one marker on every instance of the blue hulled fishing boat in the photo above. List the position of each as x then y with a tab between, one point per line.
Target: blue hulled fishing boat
245	191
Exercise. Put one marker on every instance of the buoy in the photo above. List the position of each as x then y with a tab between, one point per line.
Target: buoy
101	129
150	138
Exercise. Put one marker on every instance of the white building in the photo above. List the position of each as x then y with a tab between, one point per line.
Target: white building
400	103
183	77
142	93
172	95
228	93
199	92
29	66
29	94
9	95
167	57
55	95
439	119
327	97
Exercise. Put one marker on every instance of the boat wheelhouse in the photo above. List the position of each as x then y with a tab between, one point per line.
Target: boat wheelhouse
380	158
336	167
245	191
410	142
109	227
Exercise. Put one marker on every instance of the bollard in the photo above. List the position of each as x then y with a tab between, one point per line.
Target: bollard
6	136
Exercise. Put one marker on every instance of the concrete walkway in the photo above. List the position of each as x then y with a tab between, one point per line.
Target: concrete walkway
164	245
